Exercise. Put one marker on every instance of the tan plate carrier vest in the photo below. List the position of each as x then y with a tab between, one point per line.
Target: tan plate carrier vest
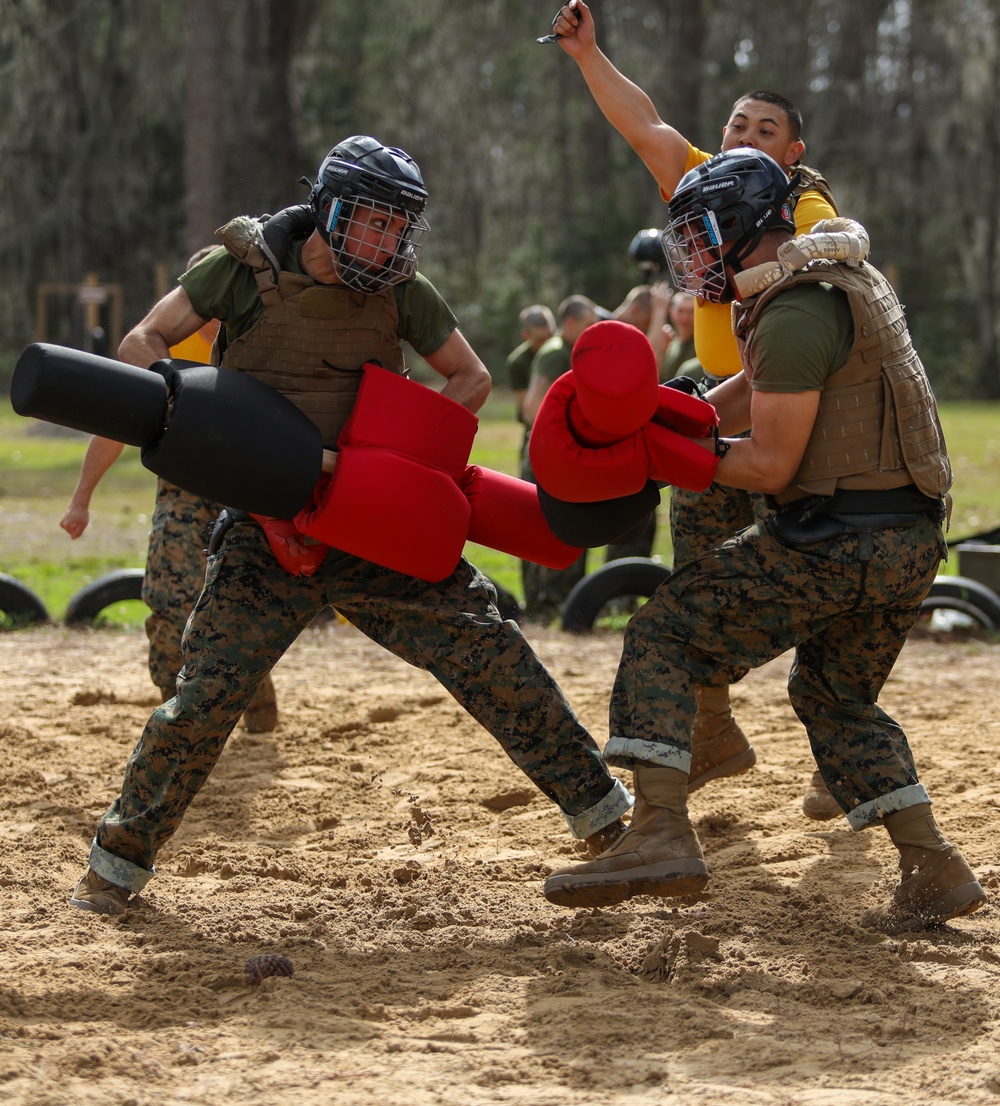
877	425
812	181
311	339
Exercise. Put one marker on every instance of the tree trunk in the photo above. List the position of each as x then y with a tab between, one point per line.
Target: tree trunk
204	164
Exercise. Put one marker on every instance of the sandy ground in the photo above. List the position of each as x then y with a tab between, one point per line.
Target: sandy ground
383	843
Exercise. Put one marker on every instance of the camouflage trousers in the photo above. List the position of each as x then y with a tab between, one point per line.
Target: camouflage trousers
175	573
700	521
251	611
844	605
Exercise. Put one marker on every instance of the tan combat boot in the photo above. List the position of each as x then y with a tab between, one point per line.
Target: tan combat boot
935	886
936	883
97	894
817	802
718	746
658	854
262	714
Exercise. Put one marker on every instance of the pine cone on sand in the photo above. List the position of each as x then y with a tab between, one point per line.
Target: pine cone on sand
259	968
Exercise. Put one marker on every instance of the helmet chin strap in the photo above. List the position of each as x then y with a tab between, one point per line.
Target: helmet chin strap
361	277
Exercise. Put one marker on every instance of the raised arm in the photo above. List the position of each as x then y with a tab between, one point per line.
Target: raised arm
627	108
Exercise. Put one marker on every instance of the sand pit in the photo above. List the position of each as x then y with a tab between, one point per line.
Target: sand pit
382	842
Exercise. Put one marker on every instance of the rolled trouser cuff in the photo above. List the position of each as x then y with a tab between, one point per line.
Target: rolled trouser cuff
617	801
628	752
868	814
118	870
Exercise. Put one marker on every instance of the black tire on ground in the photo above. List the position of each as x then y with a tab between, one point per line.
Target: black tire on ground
19	603
984	537
621	579
116	587
966	596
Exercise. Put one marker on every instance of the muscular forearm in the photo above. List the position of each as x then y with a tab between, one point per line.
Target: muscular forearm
142	346
631	112
467	380
749	466
470	389
731	400
781	425
170	321
624	104
100	456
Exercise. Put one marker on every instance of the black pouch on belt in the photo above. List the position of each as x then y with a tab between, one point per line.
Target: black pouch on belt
818	518
228	517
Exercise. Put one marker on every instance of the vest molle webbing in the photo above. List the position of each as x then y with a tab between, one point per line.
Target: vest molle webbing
311	339
877	425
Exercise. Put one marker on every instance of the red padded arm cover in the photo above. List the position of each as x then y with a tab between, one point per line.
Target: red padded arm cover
393	497
397	413
506	515
689	415
297	554
391	510
675	459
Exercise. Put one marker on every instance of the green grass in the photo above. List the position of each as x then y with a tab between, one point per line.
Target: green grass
39	465
973	434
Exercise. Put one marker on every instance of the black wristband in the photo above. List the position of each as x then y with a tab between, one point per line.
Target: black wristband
722	447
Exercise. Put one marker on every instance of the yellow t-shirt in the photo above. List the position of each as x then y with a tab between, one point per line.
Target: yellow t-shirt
714	341
196	347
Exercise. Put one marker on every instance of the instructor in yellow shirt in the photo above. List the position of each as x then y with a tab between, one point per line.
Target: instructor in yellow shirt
764	121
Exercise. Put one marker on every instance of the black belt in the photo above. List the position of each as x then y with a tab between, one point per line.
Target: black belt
821	517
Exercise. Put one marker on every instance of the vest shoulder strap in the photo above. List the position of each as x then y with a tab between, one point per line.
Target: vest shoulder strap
811	180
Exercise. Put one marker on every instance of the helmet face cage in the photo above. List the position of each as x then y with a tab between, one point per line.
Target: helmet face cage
693	245
374	244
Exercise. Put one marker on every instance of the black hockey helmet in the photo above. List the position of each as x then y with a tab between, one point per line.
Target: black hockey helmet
358	177
718	213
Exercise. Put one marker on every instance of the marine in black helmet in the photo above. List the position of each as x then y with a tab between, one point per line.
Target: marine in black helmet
836	572
306	299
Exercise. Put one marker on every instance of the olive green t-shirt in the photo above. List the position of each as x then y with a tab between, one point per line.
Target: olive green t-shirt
553	359
804	335
220	287
518	366
679	351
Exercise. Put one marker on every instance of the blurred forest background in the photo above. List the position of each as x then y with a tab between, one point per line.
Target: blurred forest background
131	129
